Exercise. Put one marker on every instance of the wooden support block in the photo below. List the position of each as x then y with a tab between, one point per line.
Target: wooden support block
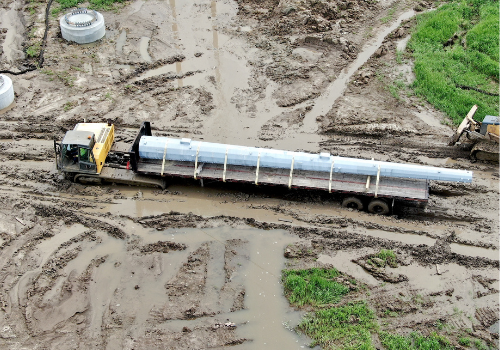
164	155
257	171
225	167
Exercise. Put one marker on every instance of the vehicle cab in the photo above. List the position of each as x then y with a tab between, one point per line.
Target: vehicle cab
84	149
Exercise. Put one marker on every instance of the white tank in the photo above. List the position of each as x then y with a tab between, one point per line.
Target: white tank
82	26
6	91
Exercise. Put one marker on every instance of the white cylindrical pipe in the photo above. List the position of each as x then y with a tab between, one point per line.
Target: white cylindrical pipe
152	147
6	91
82	26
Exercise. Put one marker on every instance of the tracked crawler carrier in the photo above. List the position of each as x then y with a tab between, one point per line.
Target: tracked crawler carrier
87	154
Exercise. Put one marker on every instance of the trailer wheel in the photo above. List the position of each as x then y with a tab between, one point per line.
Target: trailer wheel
378	206
352	202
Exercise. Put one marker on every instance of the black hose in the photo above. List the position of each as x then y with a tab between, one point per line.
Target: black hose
44	43
463	87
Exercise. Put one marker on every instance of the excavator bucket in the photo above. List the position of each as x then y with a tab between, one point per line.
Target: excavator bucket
464	126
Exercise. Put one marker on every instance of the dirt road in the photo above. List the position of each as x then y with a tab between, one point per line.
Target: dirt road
193	268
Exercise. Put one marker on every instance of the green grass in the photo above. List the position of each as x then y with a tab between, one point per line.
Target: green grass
68	106
465	341
106	5
345	327
34	50
415	341
313	286
387	256
472	60
390	15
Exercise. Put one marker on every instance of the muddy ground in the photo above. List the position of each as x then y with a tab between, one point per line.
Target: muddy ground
139	268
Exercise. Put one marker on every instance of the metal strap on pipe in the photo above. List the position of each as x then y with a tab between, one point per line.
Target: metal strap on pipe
330	182
164	155
291	174
368	181
225	166
196	161
378	179
257	171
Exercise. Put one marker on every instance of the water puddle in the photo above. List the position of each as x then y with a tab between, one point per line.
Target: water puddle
196	77
401	237
203	201
431	120
134	284
143	49
197	30
10	20
422	277
401	44
494	328
326	100
463	249
47	247
342	262
120	42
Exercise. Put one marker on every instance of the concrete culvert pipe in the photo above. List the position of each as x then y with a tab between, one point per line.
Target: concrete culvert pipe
82	26
6	91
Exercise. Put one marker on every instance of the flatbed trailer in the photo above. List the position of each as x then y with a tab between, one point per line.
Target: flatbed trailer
357	190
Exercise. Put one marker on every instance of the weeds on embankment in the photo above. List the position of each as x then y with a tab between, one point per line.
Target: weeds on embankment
354	324
106	5
456	48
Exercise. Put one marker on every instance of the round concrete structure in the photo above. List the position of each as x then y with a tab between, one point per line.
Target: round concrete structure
82	26
6	91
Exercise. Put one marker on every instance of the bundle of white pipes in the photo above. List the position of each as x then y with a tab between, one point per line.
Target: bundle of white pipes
152	147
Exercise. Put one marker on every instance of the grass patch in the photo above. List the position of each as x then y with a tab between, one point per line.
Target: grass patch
415	341
63	76
345	327
313	286
464	341
383	258
471	59
69	105
34	50
106	5
390	15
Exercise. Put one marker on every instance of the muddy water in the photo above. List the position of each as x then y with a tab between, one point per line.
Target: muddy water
342	261
143	49
326	100
266	319
198	205
196	30
121	41
429	118
475	251
402	237
48	246
10	20
268	314
401	44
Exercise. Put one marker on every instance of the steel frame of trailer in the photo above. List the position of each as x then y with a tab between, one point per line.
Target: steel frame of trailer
407	190
401	189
